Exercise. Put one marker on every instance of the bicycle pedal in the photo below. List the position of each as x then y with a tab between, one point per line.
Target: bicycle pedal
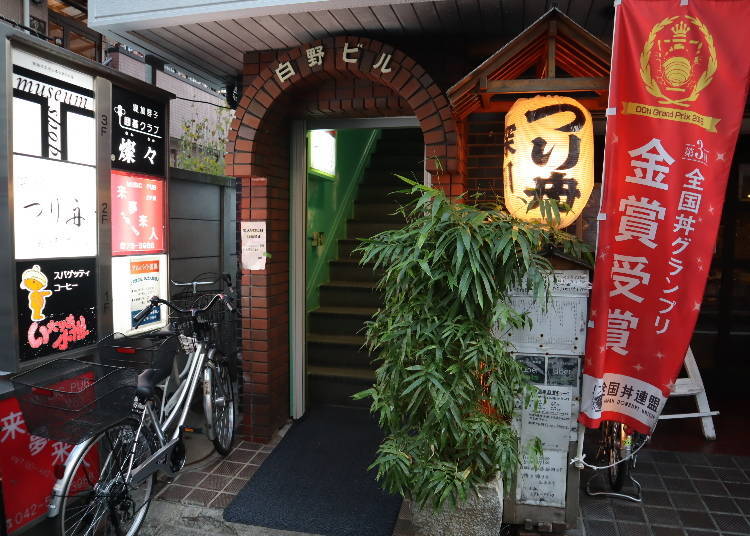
191	430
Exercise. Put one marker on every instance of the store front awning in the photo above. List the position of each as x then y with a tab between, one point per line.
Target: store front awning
208	38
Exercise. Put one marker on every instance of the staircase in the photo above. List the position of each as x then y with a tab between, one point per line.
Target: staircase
337	367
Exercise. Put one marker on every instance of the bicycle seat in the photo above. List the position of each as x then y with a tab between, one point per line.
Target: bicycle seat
147	381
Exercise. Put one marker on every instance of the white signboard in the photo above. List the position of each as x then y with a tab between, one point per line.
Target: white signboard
253	245
53	110
551	420
54	208
561	327
543	485
323	152
135	279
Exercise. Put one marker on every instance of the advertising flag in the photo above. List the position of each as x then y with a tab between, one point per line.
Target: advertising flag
678	89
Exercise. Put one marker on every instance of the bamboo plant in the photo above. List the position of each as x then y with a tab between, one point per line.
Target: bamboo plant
446	386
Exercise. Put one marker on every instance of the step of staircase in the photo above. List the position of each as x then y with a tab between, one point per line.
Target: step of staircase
349	269
350	294
332	320
347	247
337	351
338	365
336	385
377	210
385	194
364	229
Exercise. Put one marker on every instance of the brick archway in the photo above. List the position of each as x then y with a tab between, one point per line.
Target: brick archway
367	59
258	155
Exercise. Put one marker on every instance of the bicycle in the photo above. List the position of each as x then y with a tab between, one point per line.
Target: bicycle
618	449
106	485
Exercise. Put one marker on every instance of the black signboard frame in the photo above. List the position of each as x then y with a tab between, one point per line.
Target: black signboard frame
139	133
57	305
11	330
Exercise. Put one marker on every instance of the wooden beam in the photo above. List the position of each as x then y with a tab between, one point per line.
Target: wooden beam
591	104
551	49
540	85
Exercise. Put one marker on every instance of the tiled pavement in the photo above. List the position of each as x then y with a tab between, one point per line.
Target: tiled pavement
215	482
685	494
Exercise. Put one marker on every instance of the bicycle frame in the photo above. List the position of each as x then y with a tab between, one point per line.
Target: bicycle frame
177	404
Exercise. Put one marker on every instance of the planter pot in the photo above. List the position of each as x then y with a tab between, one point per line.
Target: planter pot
479	515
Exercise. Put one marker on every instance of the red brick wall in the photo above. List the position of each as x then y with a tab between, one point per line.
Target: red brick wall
258	155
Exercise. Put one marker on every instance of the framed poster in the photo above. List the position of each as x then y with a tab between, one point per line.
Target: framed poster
135	279
54	208
138	214
56	301
53	110
139	131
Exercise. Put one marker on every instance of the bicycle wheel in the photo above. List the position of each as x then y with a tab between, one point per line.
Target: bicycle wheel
97	500
220	405
613	438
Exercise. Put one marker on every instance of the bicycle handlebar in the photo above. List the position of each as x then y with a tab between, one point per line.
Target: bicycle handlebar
156	300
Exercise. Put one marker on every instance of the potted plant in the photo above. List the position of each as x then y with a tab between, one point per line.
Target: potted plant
446	386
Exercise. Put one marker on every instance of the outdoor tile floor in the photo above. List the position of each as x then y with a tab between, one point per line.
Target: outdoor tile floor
214	482
684	494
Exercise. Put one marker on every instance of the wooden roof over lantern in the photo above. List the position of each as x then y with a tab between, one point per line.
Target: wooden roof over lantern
552	56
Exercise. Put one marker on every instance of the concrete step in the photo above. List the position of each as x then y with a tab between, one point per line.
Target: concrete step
332	320
350	294
336	385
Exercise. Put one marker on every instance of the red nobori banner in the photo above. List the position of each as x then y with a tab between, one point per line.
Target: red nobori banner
677	92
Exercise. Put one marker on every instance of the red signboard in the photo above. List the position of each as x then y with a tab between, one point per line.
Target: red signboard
138	214
677	92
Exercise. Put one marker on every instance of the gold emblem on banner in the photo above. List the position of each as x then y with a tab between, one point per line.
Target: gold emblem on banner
678	60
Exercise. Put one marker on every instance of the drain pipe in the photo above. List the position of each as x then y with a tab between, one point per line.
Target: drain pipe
26	14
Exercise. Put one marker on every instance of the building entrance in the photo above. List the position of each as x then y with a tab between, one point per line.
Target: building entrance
357	202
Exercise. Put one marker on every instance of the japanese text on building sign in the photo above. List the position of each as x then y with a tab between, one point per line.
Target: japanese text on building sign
315	55
137	214
138	133
56	305
664	181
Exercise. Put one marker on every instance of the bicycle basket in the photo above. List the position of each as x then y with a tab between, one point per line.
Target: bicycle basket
220	321
70	400
139	352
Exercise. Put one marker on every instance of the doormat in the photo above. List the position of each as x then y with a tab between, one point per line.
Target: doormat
316	480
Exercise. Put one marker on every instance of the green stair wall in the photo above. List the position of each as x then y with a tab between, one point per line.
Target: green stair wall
330	202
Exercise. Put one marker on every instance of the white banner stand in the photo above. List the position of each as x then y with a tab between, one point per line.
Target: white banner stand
693	386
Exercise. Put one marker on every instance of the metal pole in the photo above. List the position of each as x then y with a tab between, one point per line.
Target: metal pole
26	13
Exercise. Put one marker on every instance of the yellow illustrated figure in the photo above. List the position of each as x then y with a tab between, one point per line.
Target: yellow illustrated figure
35	282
